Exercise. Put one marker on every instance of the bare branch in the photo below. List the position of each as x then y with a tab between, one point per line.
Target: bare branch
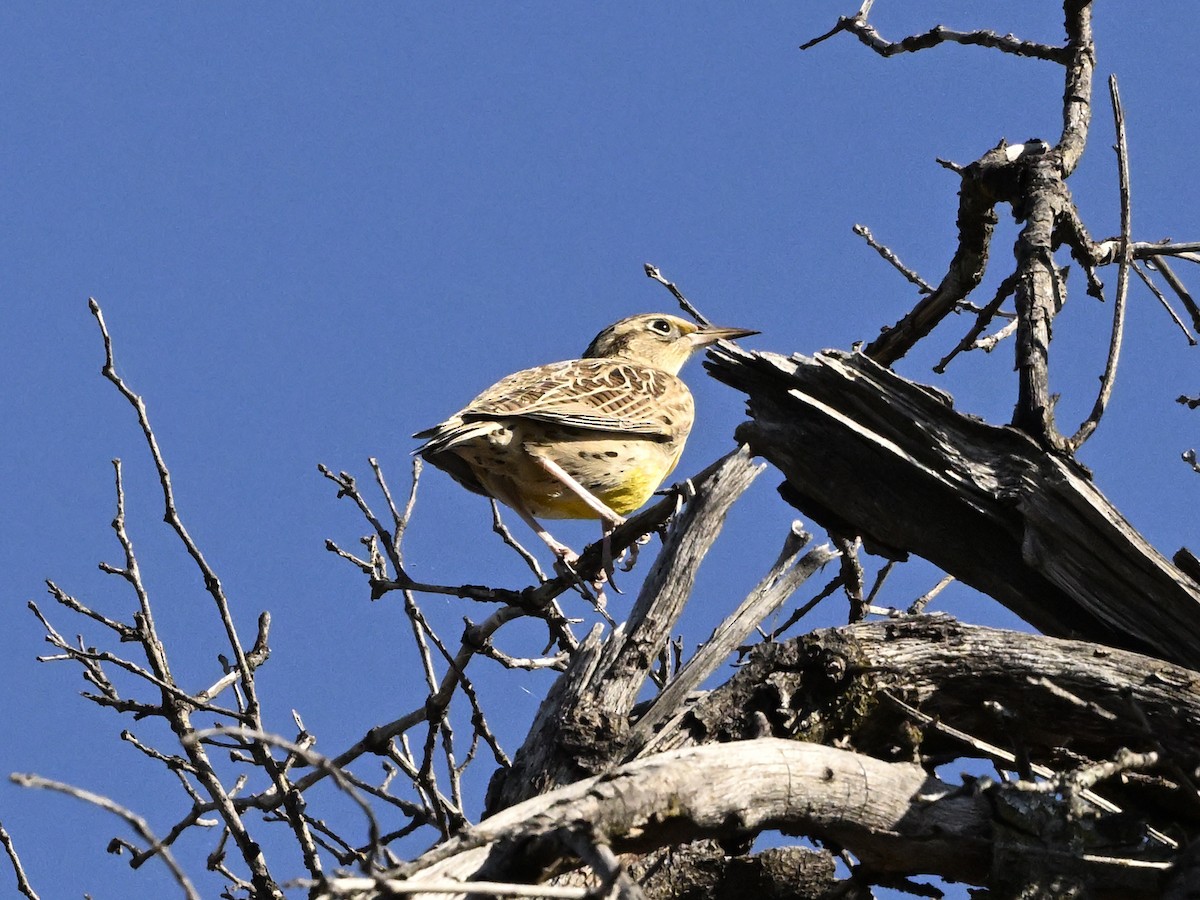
889	256
1149	282
258	654
1189	303
123	631
530	664
132	819
176	710
857	25
1126	259
23	884
852	574
918	605
982	183
836	582
871	807
982	320
211	583
1080	63
348	487
1185	250
147	633
312	758
685	304
784	577
501	529
1008	758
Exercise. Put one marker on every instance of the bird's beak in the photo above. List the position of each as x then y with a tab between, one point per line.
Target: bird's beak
710	334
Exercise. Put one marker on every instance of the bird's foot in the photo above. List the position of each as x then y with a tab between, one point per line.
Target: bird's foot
607	564
593	591
565	559
629	557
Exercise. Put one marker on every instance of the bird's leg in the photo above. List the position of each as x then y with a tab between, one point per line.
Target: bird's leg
629	558
560	550
594	503
512	499
609	519
607	568
565	559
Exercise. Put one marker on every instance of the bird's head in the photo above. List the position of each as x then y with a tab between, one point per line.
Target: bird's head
657	340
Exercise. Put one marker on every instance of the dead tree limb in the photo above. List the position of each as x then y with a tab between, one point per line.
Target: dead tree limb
894	817
826	686
862	449
582	725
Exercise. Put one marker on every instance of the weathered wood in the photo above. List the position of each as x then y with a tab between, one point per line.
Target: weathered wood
768	595
894	817
582	725
866	451
1013	690
706	870
724	790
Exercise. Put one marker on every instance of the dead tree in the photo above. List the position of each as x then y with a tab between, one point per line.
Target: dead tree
834	736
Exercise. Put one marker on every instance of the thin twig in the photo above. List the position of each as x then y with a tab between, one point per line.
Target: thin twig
132	819
348	487
23	884
558	662
93	671
179	712
1085	777
1162	299
1189	303
310	756
653	272
836	582
148	632
865	233
989	343
123	631
171	516
970	340
501	529
1126	259
1150	249
918	605
880	577
399	521
939	34
256	657
1010	759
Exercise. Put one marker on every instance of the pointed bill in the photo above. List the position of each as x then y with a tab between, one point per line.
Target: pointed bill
710	334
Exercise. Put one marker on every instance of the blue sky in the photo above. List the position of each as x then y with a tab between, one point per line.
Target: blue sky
314	231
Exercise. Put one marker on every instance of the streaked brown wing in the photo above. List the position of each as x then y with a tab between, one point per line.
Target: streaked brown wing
596	394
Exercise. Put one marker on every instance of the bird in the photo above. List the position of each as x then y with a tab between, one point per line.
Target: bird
587	438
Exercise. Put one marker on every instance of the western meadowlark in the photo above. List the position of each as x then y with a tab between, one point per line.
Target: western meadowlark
588	438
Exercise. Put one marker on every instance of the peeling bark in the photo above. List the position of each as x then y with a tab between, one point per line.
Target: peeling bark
862	448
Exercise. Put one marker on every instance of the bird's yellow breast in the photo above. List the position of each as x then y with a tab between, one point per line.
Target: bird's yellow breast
634	489
622	472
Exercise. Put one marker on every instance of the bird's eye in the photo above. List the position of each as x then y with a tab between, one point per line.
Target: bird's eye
662	326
